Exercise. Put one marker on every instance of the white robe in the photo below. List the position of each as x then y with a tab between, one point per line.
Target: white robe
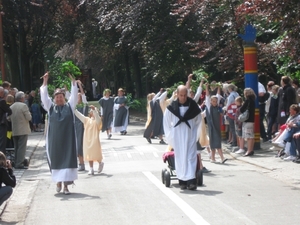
184	142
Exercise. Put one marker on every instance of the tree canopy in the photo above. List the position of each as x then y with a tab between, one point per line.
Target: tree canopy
145	45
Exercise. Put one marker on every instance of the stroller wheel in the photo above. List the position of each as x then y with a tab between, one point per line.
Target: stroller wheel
163	175
167	179
199	178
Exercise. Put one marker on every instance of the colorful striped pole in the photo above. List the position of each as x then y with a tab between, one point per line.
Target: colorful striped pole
251	74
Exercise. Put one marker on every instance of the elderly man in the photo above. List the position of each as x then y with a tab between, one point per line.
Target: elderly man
61	140
20	128
181	121
4	112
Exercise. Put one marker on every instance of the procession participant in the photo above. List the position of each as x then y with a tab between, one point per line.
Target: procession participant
181	122
212	113
155	127
60	139
106	109
82	107
91	141
121	113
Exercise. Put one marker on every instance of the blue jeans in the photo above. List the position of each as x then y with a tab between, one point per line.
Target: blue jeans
5	193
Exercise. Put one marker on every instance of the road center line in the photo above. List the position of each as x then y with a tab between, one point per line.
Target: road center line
188	210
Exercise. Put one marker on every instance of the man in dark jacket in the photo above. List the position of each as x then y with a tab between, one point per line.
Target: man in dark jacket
4	112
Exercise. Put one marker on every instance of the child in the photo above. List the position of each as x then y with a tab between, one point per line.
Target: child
91	142
239	125
213	115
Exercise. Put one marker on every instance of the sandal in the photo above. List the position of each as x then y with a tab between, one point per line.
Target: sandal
58	187
66	191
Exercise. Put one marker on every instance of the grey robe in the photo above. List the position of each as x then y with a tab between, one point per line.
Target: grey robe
107	105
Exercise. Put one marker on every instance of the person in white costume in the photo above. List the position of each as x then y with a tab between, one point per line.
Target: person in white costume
181	121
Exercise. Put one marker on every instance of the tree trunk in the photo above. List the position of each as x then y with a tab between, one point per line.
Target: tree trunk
138	79
129	84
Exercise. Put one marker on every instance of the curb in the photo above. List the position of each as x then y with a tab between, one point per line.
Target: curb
31	147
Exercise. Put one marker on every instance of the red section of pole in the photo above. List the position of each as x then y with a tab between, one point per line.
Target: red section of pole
2	50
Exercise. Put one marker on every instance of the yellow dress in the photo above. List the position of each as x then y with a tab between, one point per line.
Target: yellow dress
91	137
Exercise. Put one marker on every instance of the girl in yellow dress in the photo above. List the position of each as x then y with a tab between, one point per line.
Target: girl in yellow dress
91	141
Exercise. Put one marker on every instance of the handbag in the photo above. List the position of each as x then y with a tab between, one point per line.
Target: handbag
244	116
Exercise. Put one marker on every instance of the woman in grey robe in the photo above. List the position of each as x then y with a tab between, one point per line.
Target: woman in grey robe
121	113
106	108
61	139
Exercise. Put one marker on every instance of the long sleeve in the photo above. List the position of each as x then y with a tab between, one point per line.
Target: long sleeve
163	96
79	115
198	94
46	100
8	178
26	112
74	95
155	97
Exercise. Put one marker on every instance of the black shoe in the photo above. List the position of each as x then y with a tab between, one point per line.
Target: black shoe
192	187
183	187
162	142
149	140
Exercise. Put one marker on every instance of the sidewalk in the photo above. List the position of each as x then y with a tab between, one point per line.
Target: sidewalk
286	171
33	142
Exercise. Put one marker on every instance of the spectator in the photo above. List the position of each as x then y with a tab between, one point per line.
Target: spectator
231	88
288	97
273	110
295	85
20	118
7	177
4	112
248	125
239	125
6	85
262	99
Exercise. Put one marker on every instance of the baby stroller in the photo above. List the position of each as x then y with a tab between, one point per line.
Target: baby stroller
170	174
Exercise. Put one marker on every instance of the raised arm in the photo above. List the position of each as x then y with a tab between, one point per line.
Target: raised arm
74	91
79	115
96	115
188	83
83	97
46	100
199	92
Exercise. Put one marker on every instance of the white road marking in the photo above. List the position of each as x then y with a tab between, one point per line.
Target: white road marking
116	154
129	155
155	154
141	153
188	210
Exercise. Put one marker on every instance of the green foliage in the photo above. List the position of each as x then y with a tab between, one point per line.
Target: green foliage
132	103
59	71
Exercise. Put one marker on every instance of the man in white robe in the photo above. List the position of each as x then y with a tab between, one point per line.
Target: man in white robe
181	121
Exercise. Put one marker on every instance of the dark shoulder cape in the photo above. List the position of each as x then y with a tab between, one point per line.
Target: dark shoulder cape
191	113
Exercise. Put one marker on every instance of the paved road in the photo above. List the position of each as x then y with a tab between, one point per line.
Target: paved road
256	190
